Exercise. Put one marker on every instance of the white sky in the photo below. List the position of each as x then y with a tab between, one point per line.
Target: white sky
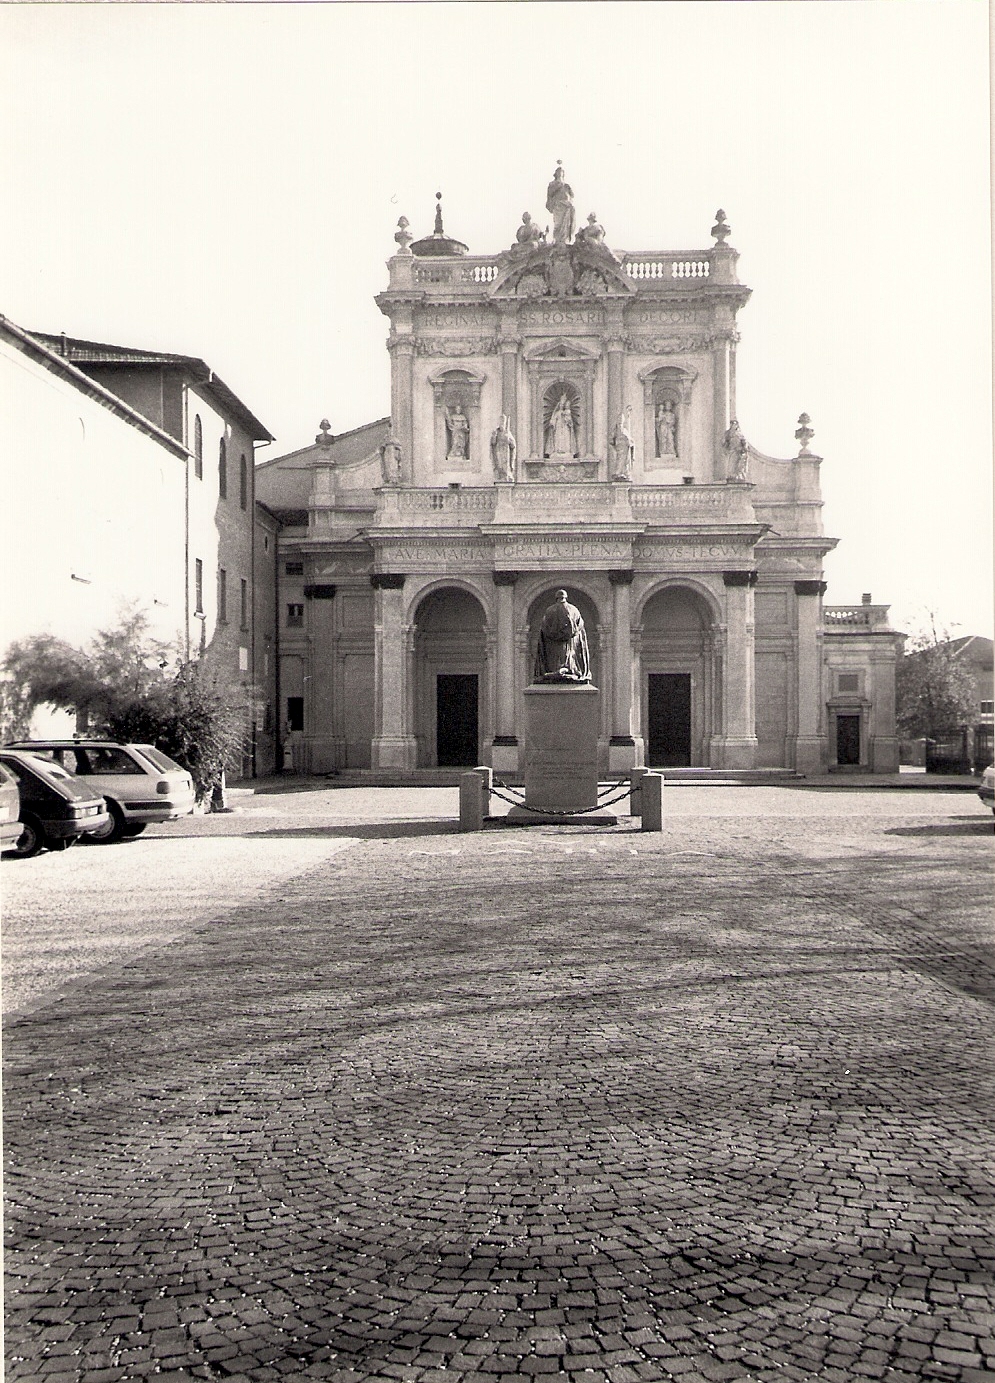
224	181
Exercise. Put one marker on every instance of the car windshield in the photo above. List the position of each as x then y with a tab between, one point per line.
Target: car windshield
157	757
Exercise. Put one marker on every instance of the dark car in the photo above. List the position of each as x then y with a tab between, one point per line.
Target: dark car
10	808
56	808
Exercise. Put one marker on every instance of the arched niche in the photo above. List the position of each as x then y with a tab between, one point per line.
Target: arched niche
679	677
667	385
457	391
551	370
538	607
450	683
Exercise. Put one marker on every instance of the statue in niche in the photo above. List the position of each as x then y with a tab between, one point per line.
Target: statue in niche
390	461
562	654
561	432
737	451
623	445
503	450
528	234
592	233
666	429
560	202
458	430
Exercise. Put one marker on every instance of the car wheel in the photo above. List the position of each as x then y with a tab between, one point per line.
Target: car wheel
31	840
113	831
134	828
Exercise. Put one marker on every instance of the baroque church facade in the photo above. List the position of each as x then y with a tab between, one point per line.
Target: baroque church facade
563	415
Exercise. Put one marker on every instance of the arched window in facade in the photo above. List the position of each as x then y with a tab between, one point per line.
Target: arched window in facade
198	447
223	469
243	482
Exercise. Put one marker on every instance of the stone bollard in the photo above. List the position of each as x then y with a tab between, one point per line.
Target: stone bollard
635	796
651	792
474	798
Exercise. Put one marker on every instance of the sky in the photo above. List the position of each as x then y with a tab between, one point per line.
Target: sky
224	181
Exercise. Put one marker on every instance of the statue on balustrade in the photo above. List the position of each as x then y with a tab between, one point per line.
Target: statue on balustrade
623	447
560	201
666	429
503	450
528	234
458	428
737	451
561	432
562	654
592	233
390	461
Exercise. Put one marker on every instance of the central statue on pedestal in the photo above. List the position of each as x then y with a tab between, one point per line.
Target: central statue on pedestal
562	654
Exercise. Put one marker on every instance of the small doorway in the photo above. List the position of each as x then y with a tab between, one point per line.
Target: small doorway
668	716
847	740
456	729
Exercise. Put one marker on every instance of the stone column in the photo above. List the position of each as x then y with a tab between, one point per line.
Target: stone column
616	355
509	378
394	745
624	750
722	416
810	742
504	750
738	743
402	355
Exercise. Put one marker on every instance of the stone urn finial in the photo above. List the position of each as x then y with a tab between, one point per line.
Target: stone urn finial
722	229
403	236
804	434
325	437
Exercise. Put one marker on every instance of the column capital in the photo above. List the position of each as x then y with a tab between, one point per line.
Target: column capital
386	581
622	578
810	588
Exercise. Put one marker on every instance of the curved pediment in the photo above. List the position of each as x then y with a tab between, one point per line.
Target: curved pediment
580	270
566	349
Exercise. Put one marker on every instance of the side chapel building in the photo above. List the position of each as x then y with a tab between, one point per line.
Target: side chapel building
564	415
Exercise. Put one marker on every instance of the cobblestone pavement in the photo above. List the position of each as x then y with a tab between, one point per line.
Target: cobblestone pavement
595	1105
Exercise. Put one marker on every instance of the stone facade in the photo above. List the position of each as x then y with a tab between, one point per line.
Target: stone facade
562	415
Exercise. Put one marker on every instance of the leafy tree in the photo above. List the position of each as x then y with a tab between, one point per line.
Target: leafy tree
934	691
131	687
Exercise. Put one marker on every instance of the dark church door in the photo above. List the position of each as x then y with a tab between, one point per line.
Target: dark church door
456	720
669	719
848	739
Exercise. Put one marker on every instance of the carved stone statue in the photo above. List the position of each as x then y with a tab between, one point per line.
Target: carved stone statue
560	201
737	451
503	450
562	654
561	436
390	461
592	233
528	233
458	427
623	446
666	429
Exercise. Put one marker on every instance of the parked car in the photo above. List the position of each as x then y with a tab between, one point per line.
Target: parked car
139	783
986	791
56	809
10	808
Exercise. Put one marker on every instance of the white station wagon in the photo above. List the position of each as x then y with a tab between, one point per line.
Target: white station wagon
138	782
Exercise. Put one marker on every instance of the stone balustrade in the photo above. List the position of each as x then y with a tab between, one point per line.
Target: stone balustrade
449	506
655	268
855	616
685	264
692	504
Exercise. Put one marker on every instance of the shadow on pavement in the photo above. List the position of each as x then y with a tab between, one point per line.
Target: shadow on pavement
376	830
968	826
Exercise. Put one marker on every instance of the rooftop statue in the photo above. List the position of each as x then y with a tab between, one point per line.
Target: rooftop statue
560	201
528	233
737	450
623	447
592	233
503	450
562	654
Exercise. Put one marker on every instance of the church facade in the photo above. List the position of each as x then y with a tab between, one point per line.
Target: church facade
563	415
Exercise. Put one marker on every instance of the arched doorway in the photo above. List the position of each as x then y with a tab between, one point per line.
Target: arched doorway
678	683
586	607
450	659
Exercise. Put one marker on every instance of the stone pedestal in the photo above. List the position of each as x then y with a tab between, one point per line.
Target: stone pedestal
561	746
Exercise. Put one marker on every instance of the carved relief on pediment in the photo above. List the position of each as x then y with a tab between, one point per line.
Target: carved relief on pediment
583	269
447	346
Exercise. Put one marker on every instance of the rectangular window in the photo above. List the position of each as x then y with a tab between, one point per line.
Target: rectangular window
295	616
988	708
294	568
295	713
222	596
243	483
198	586
244	594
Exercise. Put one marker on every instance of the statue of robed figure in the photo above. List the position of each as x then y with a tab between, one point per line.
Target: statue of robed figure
562	654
